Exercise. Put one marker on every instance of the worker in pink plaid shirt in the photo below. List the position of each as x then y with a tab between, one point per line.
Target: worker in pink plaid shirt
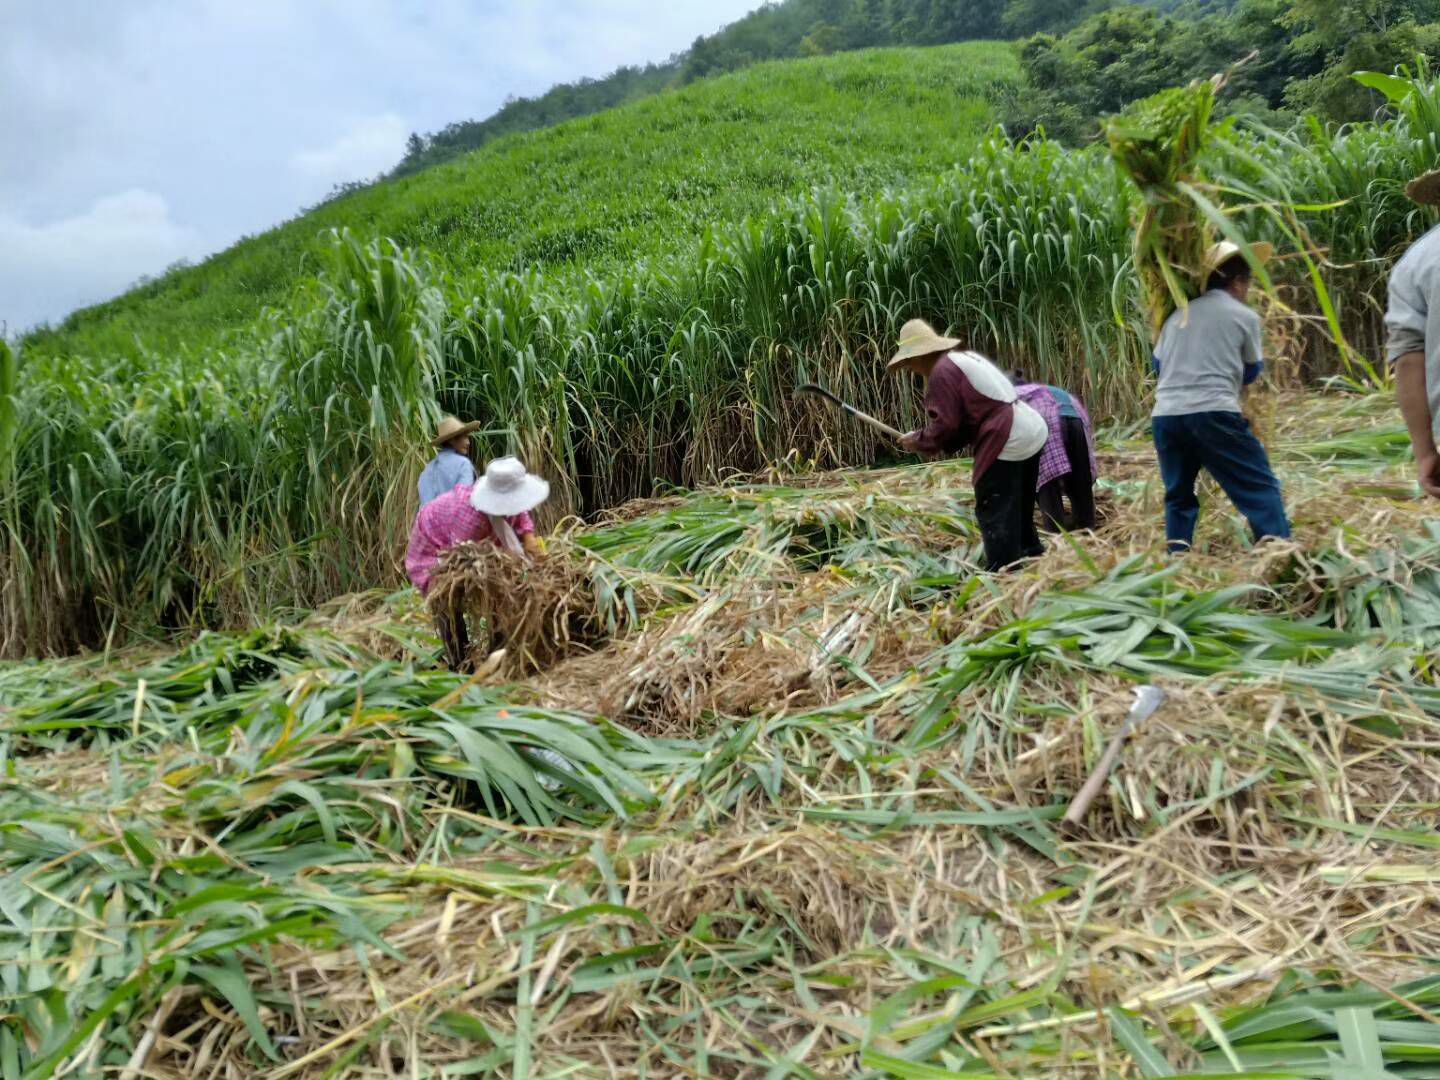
1067	461
494	508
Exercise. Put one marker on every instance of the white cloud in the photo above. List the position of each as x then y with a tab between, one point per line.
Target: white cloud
82	259
238	114
370	146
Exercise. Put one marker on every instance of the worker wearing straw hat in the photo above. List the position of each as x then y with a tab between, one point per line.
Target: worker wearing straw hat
497	508
1206	354
970	403
1413	322
451	465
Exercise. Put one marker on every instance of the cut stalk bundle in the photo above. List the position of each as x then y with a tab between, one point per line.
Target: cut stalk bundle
538	610
1157	143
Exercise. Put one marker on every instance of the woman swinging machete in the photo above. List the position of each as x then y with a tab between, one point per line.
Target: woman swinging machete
970	402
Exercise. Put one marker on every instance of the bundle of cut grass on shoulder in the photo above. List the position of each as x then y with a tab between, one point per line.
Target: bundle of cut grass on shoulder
1157	143
539	610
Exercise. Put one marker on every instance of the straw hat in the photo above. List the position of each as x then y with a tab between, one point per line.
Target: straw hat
1217	255
507	489
450	428
918	338
1425	190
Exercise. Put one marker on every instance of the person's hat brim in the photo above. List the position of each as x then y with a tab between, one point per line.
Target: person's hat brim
923	347
527	495
1425	190
1261	251
450	436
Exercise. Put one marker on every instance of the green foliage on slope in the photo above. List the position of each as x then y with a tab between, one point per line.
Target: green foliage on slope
638	182
1301	53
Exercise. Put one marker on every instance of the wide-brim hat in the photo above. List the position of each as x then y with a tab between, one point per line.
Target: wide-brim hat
918	338
450	428
1217	255
507	489
1425	190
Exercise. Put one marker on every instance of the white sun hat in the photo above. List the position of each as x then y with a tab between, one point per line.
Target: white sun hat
507	489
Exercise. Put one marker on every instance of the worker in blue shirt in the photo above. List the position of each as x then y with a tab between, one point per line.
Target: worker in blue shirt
451	466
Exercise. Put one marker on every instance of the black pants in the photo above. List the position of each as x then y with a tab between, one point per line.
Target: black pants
1078	485
455	637
1005	509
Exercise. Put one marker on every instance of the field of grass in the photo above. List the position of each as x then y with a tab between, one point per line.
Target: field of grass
220	487
611	190
806	819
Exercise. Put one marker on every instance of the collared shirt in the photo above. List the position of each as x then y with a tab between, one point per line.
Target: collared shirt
1069	406
970	402
1053	403
1206	352
1413	317
444	473
446	521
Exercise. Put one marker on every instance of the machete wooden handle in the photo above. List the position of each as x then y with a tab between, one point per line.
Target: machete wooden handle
864	418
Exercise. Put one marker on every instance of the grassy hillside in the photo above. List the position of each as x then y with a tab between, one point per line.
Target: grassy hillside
640	181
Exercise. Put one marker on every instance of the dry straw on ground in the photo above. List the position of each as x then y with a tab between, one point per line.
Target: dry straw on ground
816	883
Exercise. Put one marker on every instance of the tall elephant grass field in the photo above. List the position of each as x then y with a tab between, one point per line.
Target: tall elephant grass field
791	804
179	486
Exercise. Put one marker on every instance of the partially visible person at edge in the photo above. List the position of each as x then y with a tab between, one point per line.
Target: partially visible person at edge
451	466
1413	323
970	402
1205	354
1067	463
497	508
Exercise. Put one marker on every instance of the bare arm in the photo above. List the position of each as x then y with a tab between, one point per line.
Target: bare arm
532	545
1415	407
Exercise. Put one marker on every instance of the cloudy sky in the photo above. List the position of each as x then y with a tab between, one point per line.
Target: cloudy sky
137	132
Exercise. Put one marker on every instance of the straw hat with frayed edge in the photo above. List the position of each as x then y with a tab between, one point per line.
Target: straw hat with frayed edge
450	428
1425	190
507	489
1217	255
918	338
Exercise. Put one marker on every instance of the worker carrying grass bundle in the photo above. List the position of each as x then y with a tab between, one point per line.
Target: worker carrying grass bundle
451	466
496	508
1413	322
970	402
1207	351
1067	462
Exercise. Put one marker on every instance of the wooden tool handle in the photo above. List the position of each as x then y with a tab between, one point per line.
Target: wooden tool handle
1080	805
864	418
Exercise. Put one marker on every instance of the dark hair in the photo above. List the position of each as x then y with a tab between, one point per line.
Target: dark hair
1229	272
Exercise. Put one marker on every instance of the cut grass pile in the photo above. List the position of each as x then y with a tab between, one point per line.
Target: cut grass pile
815	832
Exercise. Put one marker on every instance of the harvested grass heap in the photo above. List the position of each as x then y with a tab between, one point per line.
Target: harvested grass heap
538	610
1157	143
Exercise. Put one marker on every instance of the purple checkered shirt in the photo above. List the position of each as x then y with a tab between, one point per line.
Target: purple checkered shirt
1054	462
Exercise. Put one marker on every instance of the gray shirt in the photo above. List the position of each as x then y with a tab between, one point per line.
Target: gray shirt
1413	317
1206	353
448	470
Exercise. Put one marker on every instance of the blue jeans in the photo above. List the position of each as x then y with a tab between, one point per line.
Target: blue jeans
1223	445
